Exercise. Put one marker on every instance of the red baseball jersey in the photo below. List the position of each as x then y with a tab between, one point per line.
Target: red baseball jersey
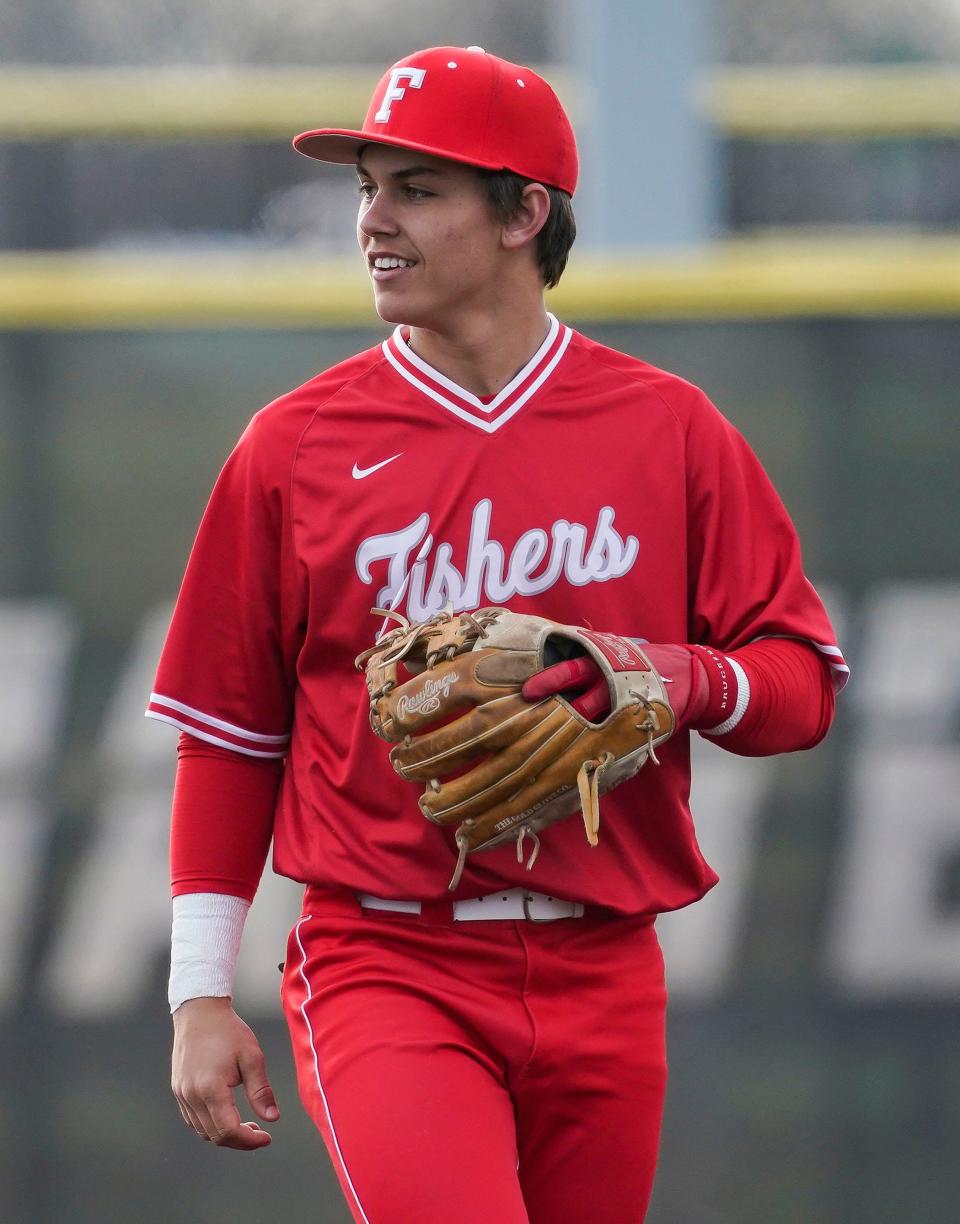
594	489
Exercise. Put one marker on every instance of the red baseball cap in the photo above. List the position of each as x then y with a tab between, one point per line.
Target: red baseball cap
467	105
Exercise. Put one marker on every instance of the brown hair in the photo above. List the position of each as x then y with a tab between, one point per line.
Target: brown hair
504	191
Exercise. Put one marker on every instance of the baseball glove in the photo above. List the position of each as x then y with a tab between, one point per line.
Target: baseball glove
448	693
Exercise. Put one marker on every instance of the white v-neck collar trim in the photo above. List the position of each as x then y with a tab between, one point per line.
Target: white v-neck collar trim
463	403
461	392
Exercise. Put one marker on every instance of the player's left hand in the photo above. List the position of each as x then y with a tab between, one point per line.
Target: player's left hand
213	1053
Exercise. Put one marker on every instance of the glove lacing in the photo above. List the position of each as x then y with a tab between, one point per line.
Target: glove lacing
406	636
588	783
651	724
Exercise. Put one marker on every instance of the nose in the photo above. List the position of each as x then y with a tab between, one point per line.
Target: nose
375	217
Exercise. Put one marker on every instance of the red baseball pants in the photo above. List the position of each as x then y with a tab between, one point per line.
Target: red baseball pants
494	1072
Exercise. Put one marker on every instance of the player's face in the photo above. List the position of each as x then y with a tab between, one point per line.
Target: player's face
431	241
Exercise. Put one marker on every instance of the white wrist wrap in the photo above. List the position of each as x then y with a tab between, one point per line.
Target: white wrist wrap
207	928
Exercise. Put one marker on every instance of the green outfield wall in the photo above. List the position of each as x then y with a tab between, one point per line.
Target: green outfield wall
815	996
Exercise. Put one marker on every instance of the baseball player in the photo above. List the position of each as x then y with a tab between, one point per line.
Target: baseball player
495	1052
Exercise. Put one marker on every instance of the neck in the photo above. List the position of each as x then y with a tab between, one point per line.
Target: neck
484	355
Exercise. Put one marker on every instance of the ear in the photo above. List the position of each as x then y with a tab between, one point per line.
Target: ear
530	217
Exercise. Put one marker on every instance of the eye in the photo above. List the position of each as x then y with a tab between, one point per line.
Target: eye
365	190
417	193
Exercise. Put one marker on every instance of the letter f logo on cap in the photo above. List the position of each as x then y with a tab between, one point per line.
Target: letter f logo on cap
395	90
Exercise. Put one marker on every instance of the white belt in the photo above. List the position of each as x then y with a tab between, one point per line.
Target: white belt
514	903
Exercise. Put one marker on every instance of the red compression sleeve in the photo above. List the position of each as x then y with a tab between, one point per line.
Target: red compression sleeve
791	697
222	819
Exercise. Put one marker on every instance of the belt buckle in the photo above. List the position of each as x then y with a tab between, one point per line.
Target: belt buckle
527	898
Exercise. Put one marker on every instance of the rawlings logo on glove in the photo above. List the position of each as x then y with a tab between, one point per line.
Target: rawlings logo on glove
427	701
515	744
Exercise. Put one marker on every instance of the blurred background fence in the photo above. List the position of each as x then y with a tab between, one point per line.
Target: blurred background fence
780	225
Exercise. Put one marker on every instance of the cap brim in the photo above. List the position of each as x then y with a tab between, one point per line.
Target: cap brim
341	146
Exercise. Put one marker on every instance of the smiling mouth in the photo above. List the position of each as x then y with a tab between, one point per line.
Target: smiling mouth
384	271
386	263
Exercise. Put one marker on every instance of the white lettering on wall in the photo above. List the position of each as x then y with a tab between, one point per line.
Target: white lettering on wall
894	930
35	644
728	797
112	947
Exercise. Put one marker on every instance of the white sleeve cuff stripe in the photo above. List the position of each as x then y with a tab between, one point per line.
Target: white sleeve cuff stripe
834	655
839	667
242	732
743	700
212	739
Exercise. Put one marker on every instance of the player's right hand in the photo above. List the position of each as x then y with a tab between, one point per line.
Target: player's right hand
213	1053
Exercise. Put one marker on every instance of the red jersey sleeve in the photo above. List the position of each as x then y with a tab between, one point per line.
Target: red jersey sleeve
745	576
228	666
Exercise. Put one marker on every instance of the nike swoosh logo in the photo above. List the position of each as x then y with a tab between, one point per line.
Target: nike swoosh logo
359	473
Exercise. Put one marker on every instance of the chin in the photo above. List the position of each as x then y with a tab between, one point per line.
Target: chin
395	308
391	312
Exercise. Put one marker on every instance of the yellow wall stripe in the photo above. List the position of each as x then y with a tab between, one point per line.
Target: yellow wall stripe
844	275
165	103
761	103
867	102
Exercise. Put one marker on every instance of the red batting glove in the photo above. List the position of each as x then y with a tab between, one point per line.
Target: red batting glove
580	676
679	667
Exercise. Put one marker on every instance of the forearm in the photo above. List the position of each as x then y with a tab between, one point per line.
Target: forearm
220	834
222	819
770	696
